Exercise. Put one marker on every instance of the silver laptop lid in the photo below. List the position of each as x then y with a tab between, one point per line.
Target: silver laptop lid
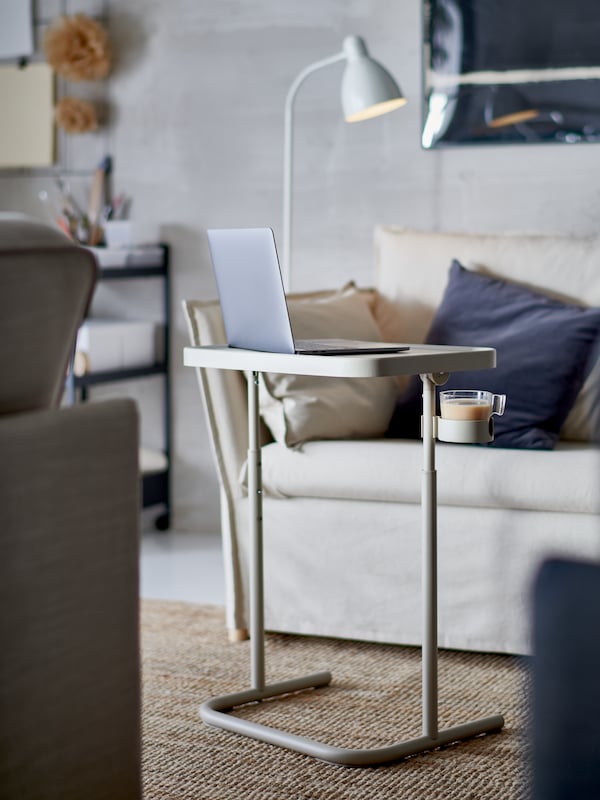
250	289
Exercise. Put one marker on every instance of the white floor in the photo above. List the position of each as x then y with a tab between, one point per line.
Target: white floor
182	566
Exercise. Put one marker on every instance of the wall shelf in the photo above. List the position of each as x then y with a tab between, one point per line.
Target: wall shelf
115	375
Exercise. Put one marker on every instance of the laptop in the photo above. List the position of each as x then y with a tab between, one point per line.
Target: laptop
252	297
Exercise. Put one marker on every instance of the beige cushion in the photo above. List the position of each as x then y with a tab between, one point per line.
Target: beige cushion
297	408
412	268
583	422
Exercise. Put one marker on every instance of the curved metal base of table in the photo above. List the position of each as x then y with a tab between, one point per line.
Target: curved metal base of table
214	712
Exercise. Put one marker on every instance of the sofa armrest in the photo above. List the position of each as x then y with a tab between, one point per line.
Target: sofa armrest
69	602
224	395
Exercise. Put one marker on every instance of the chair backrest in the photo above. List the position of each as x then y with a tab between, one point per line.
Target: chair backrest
46	285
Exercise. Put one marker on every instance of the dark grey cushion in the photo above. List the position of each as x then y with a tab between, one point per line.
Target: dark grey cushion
544	350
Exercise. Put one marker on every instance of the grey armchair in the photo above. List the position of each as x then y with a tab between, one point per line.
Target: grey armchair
69	542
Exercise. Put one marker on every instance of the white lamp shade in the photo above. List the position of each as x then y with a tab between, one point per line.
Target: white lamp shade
368	89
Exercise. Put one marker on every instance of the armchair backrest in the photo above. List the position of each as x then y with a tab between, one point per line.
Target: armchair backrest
46	285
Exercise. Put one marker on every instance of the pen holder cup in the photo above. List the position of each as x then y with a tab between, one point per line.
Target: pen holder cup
468	431
118	233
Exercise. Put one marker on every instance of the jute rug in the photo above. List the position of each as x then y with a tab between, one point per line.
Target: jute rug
374	700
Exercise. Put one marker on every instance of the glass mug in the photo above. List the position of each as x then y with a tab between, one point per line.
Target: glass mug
471	404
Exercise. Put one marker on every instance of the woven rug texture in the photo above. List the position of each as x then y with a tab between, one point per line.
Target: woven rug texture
373	700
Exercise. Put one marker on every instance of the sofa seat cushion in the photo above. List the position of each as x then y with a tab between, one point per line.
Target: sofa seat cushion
564	479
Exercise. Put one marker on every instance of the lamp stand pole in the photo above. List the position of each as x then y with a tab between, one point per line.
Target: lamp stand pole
288	161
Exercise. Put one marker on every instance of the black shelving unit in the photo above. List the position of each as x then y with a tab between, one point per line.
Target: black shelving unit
156	486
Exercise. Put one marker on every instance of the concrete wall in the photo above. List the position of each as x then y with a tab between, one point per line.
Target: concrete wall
196	128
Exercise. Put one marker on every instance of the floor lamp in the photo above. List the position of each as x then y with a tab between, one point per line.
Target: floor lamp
368	90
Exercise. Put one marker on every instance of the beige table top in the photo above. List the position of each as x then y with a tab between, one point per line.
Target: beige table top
419	359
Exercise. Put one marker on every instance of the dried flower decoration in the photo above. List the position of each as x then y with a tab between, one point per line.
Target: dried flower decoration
77	48
75	116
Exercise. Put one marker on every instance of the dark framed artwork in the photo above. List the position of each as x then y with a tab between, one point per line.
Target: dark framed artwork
510	71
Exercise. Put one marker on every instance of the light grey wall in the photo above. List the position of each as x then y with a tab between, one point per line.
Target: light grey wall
196	133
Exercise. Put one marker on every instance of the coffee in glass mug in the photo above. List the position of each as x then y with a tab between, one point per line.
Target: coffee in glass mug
471	404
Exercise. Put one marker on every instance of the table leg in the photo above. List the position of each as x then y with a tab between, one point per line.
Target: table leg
214	711
429	563
257	623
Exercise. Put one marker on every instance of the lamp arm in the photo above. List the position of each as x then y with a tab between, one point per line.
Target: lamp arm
288	140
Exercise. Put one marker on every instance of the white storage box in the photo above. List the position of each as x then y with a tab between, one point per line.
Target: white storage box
139	256
107	344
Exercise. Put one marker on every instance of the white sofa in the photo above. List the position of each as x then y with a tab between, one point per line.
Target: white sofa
342	516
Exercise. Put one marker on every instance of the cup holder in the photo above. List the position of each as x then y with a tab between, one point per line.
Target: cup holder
469	431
